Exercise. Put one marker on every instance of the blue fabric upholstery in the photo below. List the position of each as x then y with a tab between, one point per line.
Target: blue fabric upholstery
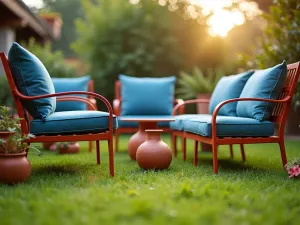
229	126
122	124
32	79
266	83
71	84
179	119
72	122
147	96
228	87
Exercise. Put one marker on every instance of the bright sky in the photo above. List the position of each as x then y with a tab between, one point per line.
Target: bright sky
221	21
35	3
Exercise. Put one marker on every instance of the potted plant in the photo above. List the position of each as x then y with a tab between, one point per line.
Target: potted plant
67	147
14	165
198	85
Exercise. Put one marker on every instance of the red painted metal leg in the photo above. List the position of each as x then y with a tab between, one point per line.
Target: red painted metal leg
98	152
117	141
174	144
195	153
243	152
231	151
183	142
111	157
215	157
283	154
139	137
90	146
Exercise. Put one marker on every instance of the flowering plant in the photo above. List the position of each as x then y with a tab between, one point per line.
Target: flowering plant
293	168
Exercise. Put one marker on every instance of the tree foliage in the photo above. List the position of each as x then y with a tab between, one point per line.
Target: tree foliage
144	39
69	11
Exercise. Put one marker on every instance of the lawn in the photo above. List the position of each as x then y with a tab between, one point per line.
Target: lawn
71	189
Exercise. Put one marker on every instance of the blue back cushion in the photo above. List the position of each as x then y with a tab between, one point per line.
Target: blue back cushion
147	96
71	84
266	83
227	88
32	79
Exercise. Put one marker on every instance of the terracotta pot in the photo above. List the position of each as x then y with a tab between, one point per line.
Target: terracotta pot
47	145
14	168
202	108
154	153
5	135
70	148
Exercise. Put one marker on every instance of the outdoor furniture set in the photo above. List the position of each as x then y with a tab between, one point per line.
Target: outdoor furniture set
244	109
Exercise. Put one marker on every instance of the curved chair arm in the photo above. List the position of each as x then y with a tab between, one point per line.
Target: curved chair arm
177	102
117	106
100	97
91	105
193	101
221	104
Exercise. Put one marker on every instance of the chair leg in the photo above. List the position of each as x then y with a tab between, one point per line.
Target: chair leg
231	151
117	141
111	157
174	144
183	143
243	152
215	157
195	153
90	146
98	151
283	154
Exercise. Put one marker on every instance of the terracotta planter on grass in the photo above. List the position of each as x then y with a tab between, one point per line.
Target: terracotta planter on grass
70	148
14	168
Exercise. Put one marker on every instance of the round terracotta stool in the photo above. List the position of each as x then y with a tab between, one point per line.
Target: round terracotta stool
154	153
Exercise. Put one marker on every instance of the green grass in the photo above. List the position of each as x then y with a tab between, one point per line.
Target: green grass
72	189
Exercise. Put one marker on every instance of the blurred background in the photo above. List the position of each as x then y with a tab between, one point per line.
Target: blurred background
196	40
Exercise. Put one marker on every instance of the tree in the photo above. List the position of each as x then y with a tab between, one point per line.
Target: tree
142	39
69	11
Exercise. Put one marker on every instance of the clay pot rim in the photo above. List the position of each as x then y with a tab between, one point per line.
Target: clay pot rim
154	130
12	154
7	132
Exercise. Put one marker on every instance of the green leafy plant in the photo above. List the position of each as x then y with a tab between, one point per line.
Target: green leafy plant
197	82
7	122
16	142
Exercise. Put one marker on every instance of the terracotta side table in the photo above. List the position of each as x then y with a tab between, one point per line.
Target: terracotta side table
140	137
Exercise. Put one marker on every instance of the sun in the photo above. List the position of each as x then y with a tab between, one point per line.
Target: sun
223	20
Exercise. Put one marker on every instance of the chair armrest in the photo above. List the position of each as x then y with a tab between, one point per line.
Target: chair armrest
117	107
91	105
221	104
97	96
183	103
177	102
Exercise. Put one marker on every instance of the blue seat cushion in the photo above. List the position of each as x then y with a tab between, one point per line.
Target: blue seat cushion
72	122
126	124
229	126
32	79
228	87
179	119
71	84
147	96
266	83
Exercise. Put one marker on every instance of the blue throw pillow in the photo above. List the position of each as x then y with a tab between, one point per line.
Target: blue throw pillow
71	84
147	96
266	83
228	87
32	79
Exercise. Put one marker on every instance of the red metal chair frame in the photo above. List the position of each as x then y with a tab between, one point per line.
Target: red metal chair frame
117	111
279	116
90	102
25	125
